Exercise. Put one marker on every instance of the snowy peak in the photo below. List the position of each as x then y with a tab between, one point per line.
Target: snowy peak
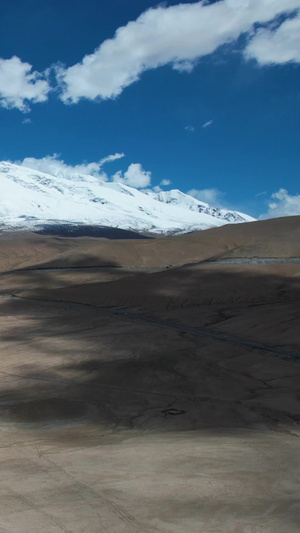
30	198
176	197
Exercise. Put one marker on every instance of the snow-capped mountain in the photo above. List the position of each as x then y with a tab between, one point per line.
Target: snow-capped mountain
176	197
29	198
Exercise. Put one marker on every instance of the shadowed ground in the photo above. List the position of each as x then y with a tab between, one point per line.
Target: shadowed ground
150	400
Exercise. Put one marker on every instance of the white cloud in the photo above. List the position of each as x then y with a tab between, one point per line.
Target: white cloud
110	158
183	66
281	45
26	121
283	205
155	189
212	197
208	123
178	35
134	176
19	85
51	164
189	128
56	167
165	183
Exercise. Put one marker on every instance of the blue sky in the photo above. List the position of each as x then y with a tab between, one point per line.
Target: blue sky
204	95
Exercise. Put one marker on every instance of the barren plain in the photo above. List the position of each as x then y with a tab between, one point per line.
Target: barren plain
151	385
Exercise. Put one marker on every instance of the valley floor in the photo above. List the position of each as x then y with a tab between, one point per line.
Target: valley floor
165	400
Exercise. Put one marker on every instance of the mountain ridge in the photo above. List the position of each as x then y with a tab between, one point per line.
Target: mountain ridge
30	198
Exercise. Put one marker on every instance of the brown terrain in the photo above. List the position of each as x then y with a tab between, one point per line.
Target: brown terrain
151	385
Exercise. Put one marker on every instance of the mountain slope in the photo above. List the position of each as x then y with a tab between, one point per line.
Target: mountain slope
176	197
30	198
